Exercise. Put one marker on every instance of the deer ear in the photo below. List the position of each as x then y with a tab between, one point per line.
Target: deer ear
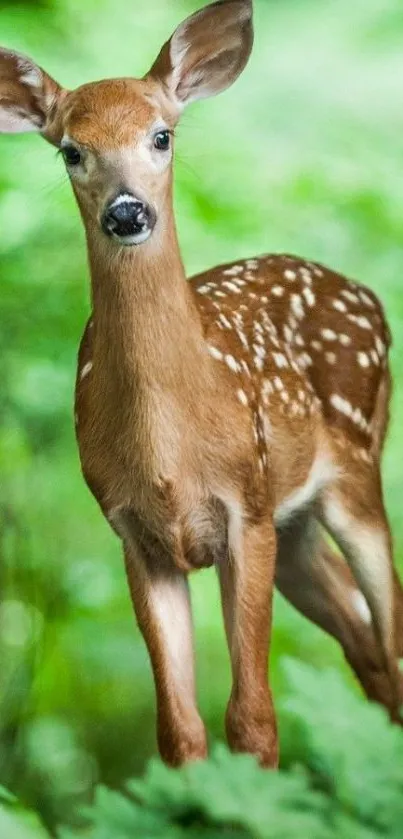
207	52
28	96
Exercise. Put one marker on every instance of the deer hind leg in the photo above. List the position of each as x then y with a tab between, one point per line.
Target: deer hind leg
317	582
162	605
247	580
352	511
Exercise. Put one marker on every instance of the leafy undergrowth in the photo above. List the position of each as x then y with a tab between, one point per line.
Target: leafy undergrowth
343	777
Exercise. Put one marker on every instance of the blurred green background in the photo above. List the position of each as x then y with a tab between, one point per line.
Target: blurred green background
305	155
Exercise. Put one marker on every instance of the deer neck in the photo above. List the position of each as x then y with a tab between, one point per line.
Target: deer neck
147	335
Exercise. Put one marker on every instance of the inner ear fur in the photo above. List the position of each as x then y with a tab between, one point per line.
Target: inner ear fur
207	52
28	95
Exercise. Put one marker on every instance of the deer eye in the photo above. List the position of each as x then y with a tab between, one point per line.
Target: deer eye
162	140
71	155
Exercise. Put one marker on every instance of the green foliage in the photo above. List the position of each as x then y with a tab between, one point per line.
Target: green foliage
303	155
228	794
344	781
16	823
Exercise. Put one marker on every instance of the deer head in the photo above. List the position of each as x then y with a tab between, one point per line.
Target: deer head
116	137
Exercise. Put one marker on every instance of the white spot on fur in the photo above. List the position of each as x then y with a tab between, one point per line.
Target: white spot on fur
86	370
232	363
309	296
341	404
366	299
306	275
231	287
297	307
305	360
245	367
215	353
339	305
224	321
234	271
380	346
328	335
344	407
363	359
360	320
242	397
243	339
287	332
280	360
352	298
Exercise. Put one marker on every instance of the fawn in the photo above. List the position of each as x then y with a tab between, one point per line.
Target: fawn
230	420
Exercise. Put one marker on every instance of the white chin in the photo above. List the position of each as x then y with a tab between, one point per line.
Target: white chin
129	241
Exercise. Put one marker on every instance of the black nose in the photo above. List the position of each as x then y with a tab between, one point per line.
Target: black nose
127	216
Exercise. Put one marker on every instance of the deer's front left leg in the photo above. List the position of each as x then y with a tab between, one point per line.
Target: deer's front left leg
247	579
162	605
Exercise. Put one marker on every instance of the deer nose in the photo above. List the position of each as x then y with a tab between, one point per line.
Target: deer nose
128	219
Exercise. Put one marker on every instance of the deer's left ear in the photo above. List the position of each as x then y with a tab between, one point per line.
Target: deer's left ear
28	96
207	52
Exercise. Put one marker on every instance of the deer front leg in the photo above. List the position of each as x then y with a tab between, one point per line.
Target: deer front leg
246	579
162	605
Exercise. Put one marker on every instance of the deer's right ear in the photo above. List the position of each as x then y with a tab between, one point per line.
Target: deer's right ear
207	52
28	96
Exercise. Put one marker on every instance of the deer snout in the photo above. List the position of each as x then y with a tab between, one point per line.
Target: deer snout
128	220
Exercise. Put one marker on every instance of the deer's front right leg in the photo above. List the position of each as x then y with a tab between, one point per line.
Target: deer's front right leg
162	605
247	579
